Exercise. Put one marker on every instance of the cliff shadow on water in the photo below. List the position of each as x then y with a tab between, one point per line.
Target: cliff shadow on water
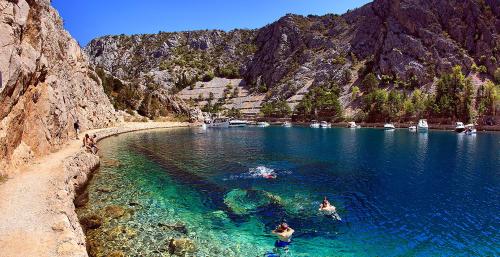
216	196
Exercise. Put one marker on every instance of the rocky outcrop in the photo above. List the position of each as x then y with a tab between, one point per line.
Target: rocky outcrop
406	41
424	38
155	67
46	84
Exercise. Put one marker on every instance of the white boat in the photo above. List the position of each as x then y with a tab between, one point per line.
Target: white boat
287	124
315	124
238	123
389	126
470	129
325	124
352	124
422	125
412	128
217	123
459	127
262	124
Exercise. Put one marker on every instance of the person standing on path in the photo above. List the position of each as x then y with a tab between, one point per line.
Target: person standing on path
76	125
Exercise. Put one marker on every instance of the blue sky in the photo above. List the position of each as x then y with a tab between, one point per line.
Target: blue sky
89	19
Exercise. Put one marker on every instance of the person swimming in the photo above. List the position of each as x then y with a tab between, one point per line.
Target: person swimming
329	209
325	205
269	176
284	233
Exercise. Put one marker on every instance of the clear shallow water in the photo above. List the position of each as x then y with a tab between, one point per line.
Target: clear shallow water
398	193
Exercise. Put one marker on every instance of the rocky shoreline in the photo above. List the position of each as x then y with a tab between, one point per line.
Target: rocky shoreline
38	215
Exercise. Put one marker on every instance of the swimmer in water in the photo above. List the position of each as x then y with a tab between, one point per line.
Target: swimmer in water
325	206
269	176
284	233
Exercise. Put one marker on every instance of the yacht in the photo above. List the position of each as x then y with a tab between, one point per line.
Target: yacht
412	128
325	124
287	124
315	124
352	124
262	124
238	123
389	126
217	123
422	125
470	129
459	127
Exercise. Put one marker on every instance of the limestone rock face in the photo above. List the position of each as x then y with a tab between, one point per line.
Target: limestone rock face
47	84
424	38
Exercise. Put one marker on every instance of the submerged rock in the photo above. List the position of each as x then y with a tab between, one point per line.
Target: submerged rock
94	248
243	202
116	254
105	189
181	246
91	222
178	227
111	163
134	203
114	211
82	200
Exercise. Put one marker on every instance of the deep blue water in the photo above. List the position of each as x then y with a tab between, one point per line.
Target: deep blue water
398	193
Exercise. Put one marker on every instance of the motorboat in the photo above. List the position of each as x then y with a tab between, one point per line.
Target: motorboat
470	129
412	128
315	124
459	127
238	123
217	123
389	126
352	124
262	124
287	124
325	124
422	125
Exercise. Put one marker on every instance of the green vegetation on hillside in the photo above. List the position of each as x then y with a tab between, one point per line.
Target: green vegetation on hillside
454	96
233	113
127	97
122	96
388	99
211	106
276	109
454	99
321	101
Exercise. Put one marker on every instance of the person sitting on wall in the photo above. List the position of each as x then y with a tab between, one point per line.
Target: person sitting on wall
87	142
93	144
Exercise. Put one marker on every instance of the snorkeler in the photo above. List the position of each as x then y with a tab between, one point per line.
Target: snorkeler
284	233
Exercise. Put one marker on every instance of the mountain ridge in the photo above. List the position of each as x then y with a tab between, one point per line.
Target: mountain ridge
411	42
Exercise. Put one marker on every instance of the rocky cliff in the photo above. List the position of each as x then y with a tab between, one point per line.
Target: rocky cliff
46	86
402	42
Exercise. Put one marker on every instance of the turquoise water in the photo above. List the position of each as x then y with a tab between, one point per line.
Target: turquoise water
397	193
